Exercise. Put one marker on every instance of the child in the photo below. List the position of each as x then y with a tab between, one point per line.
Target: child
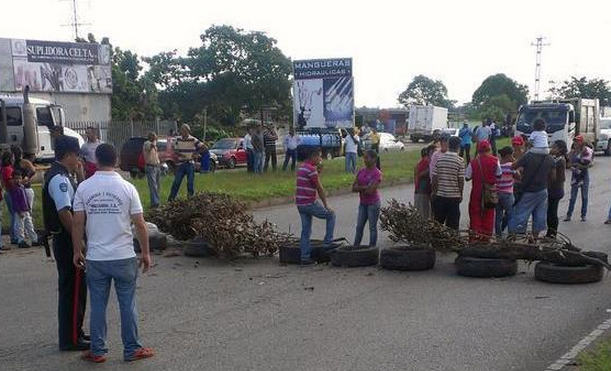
505	190
366	184
538	138
22	210
422	183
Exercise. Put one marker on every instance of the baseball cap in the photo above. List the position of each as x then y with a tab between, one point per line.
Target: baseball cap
517	141
483	146
579	139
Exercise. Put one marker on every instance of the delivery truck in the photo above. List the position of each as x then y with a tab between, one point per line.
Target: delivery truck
424	121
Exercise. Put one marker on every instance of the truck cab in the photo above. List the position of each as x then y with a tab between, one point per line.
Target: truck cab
46	116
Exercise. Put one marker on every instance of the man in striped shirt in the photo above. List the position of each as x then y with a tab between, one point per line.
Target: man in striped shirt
186	146
448	184
308	186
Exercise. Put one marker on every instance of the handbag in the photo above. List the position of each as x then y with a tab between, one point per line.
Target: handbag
490	196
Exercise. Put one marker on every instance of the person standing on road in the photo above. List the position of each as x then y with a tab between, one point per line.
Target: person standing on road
187	146
153	172
484	170
110	252
248	148
270	137
258	148
308	186
436	155
555	189
422	183
366	184
291	141
351	150
448	183
537	170
88	150
580	157
483	132
466	138
494	132
26	166
504	185
57	196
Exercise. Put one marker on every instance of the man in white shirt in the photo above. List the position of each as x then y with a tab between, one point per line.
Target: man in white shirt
291	141
248	148
351	151
105	205
88	150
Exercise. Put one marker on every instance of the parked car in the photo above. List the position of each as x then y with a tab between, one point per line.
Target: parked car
230	152
169	158
389	143
452	131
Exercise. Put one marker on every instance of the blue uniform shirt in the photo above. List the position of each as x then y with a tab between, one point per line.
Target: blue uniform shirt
61	191
466	136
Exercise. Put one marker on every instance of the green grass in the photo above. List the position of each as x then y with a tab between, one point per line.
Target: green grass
598	359
251	188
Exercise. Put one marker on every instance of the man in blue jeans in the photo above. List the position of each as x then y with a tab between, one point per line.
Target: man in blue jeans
107	200
308	186
291	141
186	147
537	170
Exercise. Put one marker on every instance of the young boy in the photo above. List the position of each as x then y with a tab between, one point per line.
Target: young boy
307	188
422	183
366	184
22	209
505	190
538	138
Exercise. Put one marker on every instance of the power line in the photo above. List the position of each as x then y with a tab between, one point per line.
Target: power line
75	19
539	45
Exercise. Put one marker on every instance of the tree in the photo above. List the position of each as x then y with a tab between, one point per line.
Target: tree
497	108
497	85
584	88
426	91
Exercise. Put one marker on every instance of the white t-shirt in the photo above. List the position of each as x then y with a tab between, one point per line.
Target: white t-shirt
108	201
88	150
538	139
351	145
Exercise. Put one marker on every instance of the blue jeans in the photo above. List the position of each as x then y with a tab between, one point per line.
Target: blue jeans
100	274
13	221
531	203
291	154
504	209
367	213
185	169
258	160
152	178
350	162
584	196
306	213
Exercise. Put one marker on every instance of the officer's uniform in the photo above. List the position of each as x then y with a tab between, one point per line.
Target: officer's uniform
58	195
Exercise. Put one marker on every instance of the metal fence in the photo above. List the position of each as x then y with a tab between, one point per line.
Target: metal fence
118	132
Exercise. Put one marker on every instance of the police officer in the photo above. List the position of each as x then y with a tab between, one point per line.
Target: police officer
57	196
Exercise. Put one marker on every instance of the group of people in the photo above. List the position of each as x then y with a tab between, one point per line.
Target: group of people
527	179
74	208
260	145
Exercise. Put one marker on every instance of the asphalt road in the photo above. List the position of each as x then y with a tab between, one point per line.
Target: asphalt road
257	315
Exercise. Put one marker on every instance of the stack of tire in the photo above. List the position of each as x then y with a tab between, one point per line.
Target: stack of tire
291	253
571	274
157	240
468	266
355	256
408	258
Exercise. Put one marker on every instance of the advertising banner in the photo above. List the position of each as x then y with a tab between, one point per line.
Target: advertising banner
323	93
49	66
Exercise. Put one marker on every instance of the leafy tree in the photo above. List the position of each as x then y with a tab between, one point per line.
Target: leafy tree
497	108
497	85
426	91
584	88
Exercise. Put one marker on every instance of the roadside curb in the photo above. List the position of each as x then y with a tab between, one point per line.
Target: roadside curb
280	201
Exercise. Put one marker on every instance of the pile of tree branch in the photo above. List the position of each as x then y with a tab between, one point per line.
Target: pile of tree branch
221	221
406	225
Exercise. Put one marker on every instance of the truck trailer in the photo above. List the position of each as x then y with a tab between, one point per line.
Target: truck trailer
424	121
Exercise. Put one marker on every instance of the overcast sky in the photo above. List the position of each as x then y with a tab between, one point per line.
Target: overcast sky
458	42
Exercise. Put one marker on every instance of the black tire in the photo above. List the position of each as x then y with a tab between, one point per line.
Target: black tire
292	254
414	140
485	268
593	254
407	260
231	163
553	273
350	256
197	249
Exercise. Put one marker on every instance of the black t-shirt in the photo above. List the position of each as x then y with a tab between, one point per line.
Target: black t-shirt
536	171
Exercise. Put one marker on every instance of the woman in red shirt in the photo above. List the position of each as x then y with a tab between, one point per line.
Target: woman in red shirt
7	183
484	168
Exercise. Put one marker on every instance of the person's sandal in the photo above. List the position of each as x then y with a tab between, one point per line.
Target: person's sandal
140	353
608	221
90	357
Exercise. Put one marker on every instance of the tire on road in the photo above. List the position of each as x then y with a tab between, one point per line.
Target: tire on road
196	248
593	254
291	253
351	256
554	273
408	260
485	268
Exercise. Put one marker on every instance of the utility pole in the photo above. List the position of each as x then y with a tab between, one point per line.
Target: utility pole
539	45
75	19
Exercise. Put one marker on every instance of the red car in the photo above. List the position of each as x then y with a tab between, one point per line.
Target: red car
230	152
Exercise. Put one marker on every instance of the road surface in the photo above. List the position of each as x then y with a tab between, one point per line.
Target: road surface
257	315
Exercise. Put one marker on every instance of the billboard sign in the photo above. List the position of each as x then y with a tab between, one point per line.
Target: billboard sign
323	93
50	66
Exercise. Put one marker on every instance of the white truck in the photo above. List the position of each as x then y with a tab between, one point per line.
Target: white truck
565	119
29	122
425	120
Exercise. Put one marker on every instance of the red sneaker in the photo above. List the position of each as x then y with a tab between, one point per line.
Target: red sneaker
141	353
90	357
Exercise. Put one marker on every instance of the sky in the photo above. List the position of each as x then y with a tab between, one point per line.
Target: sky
457	42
